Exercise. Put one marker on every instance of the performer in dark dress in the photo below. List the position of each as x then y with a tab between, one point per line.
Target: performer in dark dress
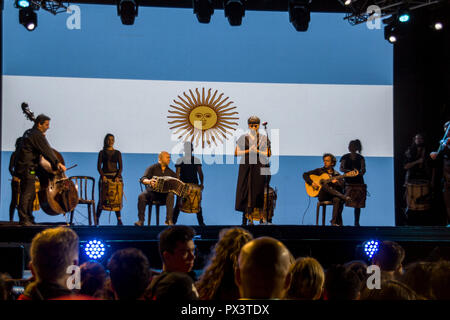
416	160
255	151
160	169
189	170
354	186
34	145
109	166
15	184
331	191
442	157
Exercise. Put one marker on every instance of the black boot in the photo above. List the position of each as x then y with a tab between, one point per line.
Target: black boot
119	218
244	219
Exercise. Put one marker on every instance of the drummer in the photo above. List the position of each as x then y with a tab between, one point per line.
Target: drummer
189	170
109	165
416	161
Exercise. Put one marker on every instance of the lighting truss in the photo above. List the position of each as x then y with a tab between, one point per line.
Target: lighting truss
53	7
358	8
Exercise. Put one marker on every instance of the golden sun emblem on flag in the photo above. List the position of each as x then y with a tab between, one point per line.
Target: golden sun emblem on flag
208	118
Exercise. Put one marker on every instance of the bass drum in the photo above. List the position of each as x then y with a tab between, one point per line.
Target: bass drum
191	203
358	194
418	195
111	195
261	214
37	186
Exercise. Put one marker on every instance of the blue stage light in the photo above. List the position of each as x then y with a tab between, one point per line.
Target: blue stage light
23	3
371	247
95	249
404	17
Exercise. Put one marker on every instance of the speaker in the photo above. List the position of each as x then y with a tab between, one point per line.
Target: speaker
12	260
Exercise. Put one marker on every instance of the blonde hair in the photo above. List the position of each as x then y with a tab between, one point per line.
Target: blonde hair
52	251
307	279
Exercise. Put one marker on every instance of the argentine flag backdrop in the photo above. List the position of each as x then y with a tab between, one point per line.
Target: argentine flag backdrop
318	90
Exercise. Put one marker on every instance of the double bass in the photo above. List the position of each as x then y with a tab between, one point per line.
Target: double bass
58	194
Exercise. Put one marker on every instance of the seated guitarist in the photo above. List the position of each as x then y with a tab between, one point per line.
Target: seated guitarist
331	191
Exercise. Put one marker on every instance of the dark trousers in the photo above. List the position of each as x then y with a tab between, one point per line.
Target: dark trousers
15	190
328	193
27	195
148	196
176	213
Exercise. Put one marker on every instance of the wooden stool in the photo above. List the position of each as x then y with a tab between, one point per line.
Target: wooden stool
158	204
324	205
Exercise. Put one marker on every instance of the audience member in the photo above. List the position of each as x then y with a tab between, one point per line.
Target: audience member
390	290
389	258
217	280
129	270
417	276
307	279
341	283
263	269
440	280
93	278
175	286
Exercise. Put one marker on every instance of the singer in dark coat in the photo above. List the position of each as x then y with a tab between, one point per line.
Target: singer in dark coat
253	169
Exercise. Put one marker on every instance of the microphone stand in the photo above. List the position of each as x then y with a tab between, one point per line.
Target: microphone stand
266	187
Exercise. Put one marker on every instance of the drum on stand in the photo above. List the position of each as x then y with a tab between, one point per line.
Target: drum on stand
259	214
358	193
112	195
191	203
418	195
37	186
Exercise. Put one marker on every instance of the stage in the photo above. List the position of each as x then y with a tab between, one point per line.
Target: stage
330	245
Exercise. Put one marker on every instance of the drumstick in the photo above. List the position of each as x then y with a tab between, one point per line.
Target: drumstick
71	167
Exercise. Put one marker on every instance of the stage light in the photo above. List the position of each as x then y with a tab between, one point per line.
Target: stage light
347	2
234	11
203	9
371	247
438	26
390	32
28	18
299	14
127	10
95	249
403	16
22	3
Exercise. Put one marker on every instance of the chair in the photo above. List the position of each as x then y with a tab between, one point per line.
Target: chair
324	205
158	204
83	184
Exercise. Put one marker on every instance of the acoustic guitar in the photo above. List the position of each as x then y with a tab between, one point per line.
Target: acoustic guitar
325	178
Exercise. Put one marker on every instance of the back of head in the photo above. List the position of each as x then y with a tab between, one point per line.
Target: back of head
440	280
93	278
217	280
390	290
5	286
52	252
169	238
130	273
263	267
341	283
307	279
389	256
417	276
174	286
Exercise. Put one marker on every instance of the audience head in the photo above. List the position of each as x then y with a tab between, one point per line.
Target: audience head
217	280
177	248
390	290
174	286
440	280
129	270
52	252
417	276
5	286
360	268
93	279
342	283
263	269
307	279
389	258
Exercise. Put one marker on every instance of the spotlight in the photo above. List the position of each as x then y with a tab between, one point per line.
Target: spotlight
234	11
299	14
203	9
391	33
127	10
22	4
95	249
438	26
347	2
28	18
403	16
371	247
